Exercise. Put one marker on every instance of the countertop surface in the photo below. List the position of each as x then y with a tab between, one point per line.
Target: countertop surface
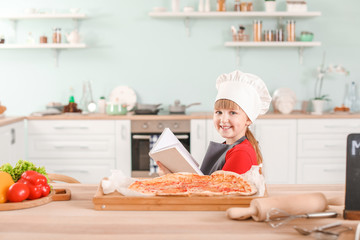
196	115
76	219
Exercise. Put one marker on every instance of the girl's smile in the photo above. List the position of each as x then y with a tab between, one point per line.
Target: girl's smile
231	124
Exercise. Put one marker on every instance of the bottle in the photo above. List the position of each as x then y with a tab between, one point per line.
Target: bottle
207	6
102	105
257	29
201	6
175	5
290	28
30	39
351	98
237	6
221	6
56	38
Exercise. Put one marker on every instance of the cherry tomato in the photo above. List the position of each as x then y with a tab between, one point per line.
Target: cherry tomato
35	191
45	190
34	177
18	192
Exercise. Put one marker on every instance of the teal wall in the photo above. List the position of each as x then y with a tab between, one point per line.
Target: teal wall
156	58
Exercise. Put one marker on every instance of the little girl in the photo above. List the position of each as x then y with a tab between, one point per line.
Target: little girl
241	98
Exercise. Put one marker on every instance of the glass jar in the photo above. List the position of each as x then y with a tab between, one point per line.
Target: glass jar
243	6
237	6
257	30
290	29
43	39
269	35
221	6
56	37
249	6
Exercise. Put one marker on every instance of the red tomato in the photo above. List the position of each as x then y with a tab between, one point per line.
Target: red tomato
45	189
18	192
35	192
34	177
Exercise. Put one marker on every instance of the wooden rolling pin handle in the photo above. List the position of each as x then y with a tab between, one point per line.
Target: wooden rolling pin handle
237	213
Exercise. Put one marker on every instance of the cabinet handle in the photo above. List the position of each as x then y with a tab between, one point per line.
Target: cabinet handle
147	137
198	132
334	170
71	146
123	133
13	136
333	146
71	127
70	171
341	126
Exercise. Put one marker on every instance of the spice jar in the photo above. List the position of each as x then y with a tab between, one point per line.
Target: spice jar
257	29
249	6
43	39
237	6
279	35
243	6
290	28
269	35
221	6
56	38
2	39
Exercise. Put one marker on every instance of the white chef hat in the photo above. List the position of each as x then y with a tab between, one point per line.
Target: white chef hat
246	90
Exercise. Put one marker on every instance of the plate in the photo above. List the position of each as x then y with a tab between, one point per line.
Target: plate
284	100
123	95
284	93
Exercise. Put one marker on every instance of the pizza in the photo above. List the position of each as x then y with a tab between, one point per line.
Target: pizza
220	183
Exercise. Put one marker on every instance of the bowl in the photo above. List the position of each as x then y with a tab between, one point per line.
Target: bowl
306	36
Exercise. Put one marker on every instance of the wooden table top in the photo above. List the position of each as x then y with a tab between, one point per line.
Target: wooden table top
76	219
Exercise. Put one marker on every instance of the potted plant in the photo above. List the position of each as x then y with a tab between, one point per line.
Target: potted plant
270	5
318	102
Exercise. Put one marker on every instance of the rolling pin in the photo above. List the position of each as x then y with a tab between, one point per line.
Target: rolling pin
292	204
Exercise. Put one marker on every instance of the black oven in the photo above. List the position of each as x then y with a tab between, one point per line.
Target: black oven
144	134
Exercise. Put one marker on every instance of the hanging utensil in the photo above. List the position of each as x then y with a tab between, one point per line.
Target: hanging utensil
92	105
277	217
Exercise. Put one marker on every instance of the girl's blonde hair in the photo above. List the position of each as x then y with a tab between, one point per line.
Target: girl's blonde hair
228	104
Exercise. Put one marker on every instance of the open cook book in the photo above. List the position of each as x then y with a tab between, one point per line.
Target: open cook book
173	155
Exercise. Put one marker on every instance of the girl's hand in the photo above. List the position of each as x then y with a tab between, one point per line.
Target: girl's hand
162	169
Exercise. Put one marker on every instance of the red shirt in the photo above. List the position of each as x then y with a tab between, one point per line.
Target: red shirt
240	158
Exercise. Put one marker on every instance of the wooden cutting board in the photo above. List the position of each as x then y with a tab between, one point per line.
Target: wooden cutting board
55	195
117	201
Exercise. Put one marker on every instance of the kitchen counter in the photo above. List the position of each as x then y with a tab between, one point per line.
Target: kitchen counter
76	219
195	115
9	120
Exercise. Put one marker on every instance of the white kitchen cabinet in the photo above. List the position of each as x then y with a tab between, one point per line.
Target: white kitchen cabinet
83	149
277	141
12	143
198	138
123	146
321	149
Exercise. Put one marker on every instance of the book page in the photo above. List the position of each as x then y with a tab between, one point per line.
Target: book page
173	155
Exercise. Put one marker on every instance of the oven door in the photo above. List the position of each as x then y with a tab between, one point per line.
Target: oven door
140	148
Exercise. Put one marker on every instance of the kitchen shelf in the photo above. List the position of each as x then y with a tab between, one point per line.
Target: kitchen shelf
14	18
300	45
43	16
55	47
232	14
45	45
272	44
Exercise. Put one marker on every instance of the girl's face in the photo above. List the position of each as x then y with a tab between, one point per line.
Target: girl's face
231	124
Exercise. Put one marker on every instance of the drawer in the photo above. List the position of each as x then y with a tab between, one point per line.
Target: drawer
59	146
311	145
83	173
71	127
316	172
329	126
